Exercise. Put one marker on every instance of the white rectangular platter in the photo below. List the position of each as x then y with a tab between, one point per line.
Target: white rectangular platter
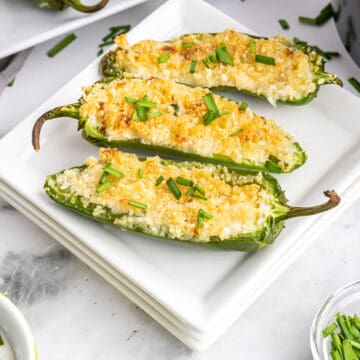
38	25
200	291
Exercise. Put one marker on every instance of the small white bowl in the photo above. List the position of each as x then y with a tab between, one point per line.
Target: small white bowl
345	300
17	330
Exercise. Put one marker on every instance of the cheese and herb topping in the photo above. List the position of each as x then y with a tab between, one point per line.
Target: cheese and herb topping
158	202
160	112
274	68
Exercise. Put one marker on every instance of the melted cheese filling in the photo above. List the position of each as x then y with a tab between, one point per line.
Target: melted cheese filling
180	125
242	207
291	78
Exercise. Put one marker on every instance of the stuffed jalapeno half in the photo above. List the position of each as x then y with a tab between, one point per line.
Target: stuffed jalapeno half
168	118
75	4
274	68
186	201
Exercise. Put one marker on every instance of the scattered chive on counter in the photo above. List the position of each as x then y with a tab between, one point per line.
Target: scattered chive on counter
11	83
325	14
163	57
345	344
62	44
284	24
109	39
355	83
1	340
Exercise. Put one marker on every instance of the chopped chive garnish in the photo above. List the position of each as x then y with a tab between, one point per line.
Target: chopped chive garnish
252	45
199	189
154	114
210	103
265	59
1	340
61	45
284	24
329	329
146	104
11	83
354	83
224	55
205	63
137	204
173	188
110	170
243	105
110	37
330	54
135	116
237	132
201	197
209	117
159	180
325	14
103	186
182	181
201	216
130	100
193	66
163	57
355	344
140	173
224	113
335	355
191	191
141	113
187	45
103	177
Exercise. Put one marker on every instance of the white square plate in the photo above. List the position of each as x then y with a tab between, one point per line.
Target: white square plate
38	25
201	290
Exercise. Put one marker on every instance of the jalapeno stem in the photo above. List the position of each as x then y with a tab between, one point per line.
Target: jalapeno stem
77	5
71	110
334	200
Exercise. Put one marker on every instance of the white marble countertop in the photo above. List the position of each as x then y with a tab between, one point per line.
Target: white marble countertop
74	314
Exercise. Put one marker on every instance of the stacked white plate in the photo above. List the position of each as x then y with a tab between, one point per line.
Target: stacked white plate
195	293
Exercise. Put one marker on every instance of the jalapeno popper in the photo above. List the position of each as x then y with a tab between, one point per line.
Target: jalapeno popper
75	4
165	117
274	68
186	201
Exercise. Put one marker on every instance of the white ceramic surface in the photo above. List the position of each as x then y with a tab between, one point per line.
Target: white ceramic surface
205	305
39	25
16	330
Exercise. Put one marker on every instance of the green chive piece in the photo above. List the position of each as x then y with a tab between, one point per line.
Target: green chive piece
209	117
342	324
330	54
1	340
141	113
103	186
243	105
205	63
355	344
159	180
146	104
154	114
137	204
140	173
336	342
182	181
191	191
224	55
325	14
173	188
356	321
307	20
210	103
103	177
134	116
130	100
100	52
11	83
252	45
199	189
329	329
202	214
348	351
61	45
187	45
355	83
224	113
110	170
201	197
237	132
193	66
284	24
265	59
335	355
163	57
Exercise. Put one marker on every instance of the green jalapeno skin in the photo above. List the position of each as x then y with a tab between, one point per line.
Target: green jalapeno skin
75	4
98	138
109	67
249	242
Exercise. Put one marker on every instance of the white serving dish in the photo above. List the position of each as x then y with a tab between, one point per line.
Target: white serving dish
199	292
39	25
